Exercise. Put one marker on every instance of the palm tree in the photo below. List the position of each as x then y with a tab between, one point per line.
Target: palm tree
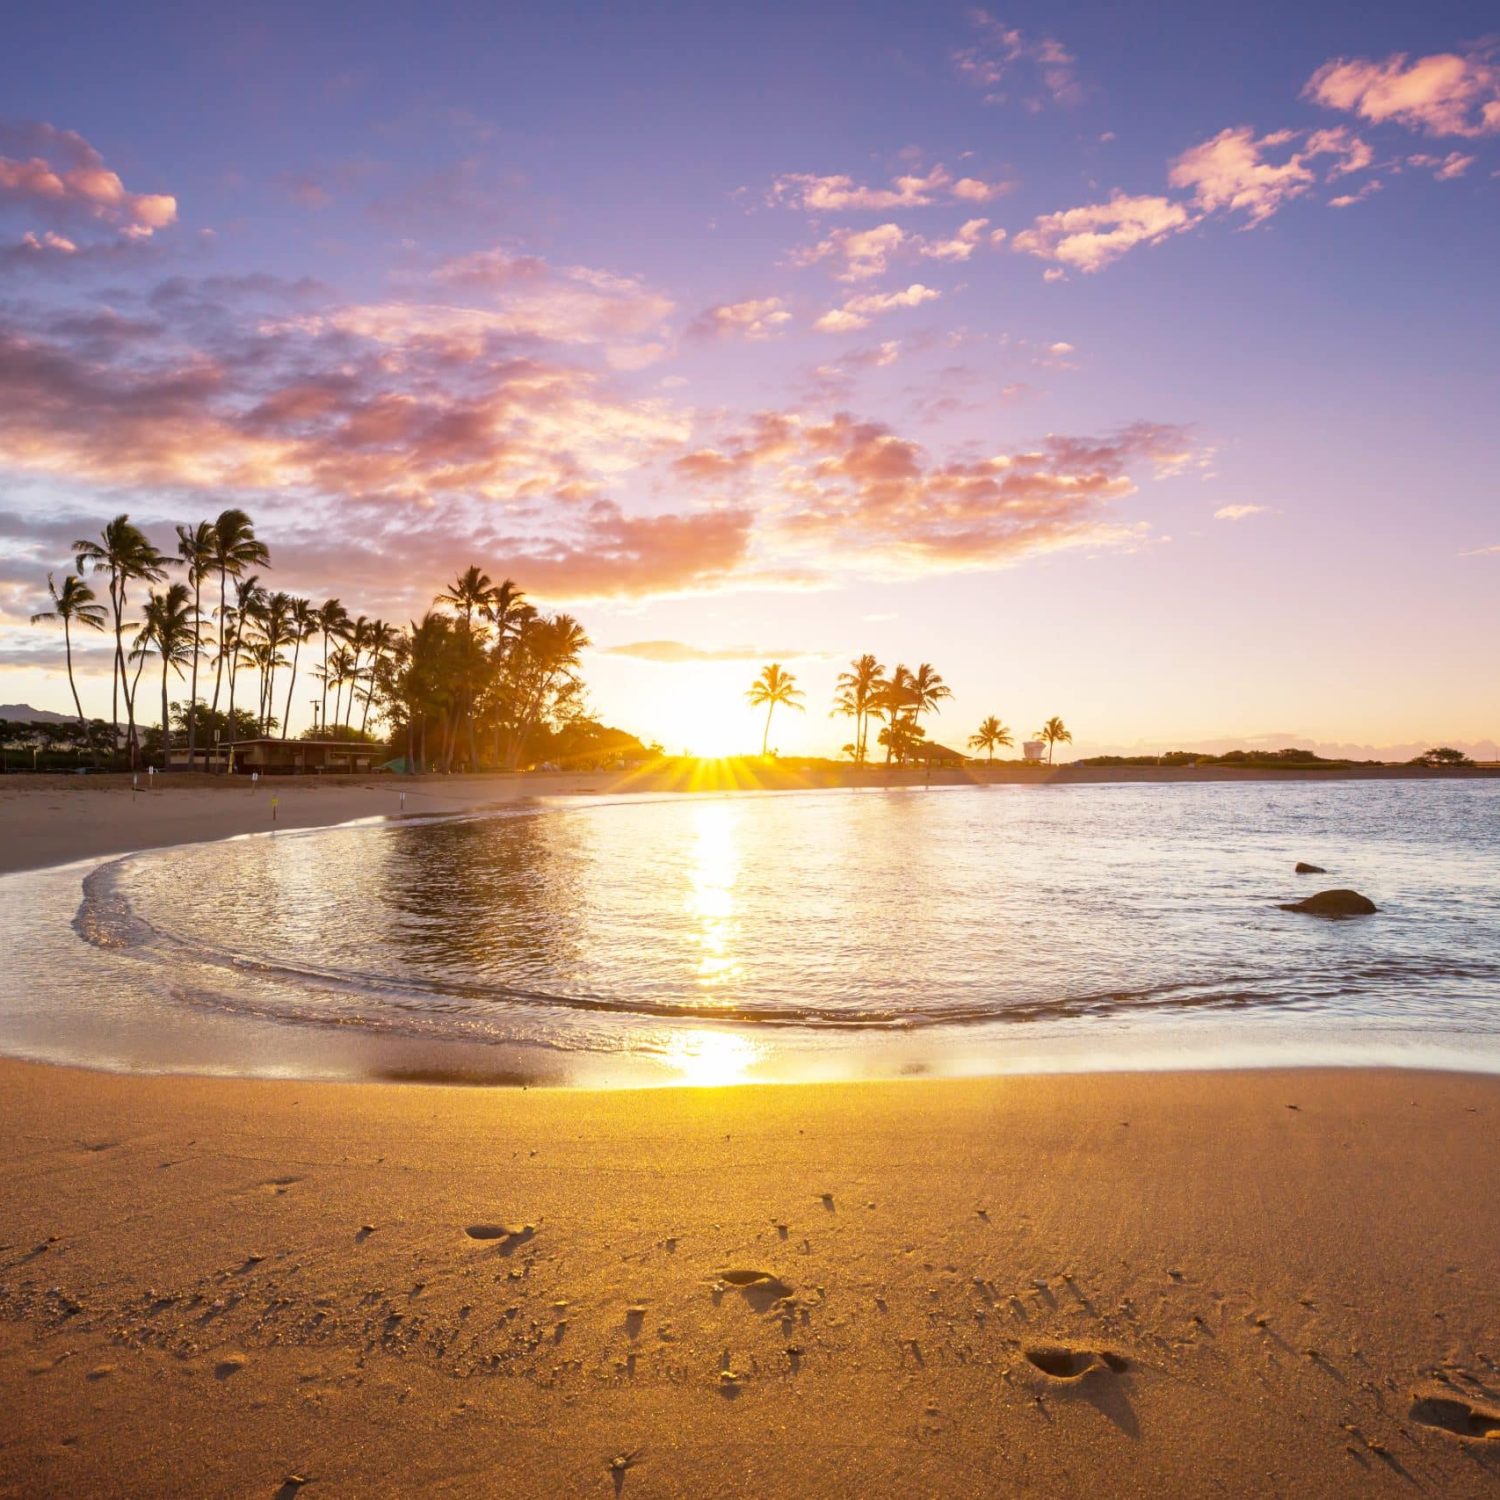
239	638
197	547
236	548
123	552
340	670
302	624
358	636
1055	732
381	640
171	631
990	735
333	620
773	686
858	695
74	601
275	622
473	591
928	689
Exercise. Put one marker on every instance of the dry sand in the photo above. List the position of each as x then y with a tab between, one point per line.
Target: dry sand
1272	1283
211	1287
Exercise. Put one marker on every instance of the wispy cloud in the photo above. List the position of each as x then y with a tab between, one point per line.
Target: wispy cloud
1047	70
860	312
1239	512
839	193
673	652
757	319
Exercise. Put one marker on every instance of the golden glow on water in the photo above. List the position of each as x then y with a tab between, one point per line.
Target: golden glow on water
711	1059
710	896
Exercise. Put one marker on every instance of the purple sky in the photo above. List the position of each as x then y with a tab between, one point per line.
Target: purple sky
1134	364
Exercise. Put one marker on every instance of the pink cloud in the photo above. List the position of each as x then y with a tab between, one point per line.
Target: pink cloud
1237	171
756	319
859	312
1446	93
1089	238
860	253
63	180
840	193
961	244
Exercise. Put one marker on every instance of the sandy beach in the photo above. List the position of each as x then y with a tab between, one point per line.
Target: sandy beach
1249	1284
1253	1283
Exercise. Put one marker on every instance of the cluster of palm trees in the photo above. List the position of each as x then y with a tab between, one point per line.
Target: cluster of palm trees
867	694
493	667
895	700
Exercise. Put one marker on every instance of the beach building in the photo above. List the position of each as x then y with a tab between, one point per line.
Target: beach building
933	754
276	757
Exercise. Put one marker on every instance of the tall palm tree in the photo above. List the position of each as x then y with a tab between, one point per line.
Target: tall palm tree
302	623
74	602
358	636
989	736
381	641
472	592
236	548
893	701
340	670
275	621
333	620
123	552
197	548
170	629
249	597
858	694
1055	732
773	686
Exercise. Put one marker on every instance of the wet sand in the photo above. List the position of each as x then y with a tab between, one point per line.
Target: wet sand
1277	1283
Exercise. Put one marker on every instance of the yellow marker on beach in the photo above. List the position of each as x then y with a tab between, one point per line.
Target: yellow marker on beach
275	803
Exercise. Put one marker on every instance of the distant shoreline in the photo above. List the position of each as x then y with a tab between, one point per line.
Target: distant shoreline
56	819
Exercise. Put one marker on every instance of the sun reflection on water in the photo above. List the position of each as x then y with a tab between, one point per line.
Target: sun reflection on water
709	1059
710	896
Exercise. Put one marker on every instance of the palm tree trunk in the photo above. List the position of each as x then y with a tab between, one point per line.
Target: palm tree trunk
192	714
291	687
765	738
68	651
166	733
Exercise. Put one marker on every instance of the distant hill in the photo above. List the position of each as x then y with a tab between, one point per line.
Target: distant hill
24	713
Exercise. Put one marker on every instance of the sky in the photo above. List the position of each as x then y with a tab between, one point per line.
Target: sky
1130	363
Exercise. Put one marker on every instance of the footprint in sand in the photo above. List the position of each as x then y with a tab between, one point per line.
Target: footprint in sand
1461	1418
1059	1363
509	1236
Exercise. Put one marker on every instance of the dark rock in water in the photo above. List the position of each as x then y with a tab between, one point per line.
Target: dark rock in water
1333	904
1304	869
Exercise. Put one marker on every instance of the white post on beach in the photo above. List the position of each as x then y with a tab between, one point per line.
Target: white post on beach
403	801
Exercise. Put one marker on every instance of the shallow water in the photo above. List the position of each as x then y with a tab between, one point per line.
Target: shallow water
785	935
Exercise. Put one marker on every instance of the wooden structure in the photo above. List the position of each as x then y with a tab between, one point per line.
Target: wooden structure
274	757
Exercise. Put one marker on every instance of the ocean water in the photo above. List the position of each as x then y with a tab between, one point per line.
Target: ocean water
772	936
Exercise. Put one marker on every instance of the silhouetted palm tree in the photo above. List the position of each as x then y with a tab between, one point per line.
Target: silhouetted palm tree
123	552
239	636
197	547
333	621
989	736
170	629
302	624
74	601
773	686
273	619
1055	732
858	694
236	548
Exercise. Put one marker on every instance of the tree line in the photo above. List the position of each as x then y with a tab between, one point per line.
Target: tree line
481	674
896	701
